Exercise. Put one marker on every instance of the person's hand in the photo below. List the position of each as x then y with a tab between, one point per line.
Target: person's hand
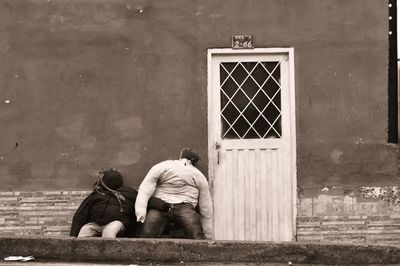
141	219
140	214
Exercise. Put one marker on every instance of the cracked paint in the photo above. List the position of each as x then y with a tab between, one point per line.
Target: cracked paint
389	194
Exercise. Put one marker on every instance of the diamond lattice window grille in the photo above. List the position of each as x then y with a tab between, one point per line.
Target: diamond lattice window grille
250	100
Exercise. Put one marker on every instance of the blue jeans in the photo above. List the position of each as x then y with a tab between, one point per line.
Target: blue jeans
183	215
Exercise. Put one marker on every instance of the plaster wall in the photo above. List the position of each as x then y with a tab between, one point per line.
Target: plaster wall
123	83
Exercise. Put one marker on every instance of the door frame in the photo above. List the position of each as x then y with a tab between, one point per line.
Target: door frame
212	154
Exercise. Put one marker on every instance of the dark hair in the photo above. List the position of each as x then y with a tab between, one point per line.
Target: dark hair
190	154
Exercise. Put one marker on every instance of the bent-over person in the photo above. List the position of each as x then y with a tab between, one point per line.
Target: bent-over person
110	209
184	187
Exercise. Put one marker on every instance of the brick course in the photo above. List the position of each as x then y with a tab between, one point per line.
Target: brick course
338	214
319	217
38	213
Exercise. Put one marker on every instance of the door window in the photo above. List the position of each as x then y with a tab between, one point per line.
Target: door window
250	100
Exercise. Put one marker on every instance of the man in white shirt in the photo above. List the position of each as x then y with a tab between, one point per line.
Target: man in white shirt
184	187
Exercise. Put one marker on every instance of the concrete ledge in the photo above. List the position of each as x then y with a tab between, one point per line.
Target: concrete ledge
128	250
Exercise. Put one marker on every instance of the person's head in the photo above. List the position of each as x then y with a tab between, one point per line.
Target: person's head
189	154
111	178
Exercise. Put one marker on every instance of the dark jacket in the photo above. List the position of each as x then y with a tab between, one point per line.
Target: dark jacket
102	207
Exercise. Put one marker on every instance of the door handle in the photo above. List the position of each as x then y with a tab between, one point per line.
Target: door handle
217	147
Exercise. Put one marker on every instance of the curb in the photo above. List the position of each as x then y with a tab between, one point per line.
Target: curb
130	250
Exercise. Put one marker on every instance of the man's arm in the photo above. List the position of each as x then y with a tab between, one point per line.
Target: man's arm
158	204
146	190
205	206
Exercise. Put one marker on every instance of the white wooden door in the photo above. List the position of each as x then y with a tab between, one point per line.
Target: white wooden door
252	155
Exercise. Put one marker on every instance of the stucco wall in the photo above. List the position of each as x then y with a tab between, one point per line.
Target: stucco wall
89	84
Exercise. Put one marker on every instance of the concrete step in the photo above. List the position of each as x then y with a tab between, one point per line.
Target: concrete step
176	251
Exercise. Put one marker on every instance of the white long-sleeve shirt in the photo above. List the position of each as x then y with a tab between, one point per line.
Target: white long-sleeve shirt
177	181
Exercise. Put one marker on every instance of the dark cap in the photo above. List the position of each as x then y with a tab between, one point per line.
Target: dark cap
112	178
191	155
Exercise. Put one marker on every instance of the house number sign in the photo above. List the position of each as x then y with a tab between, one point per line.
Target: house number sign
242	42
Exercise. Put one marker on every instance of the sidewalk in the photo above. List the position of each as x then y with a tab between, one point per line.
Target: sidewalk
180	264
178	251
162	264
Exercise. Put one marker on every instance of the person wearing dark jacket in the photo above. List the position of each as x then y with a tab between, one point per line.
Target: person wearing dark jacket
110	209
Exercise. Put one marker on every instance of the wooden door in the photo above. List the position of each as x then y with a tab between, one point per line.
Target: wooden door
252	155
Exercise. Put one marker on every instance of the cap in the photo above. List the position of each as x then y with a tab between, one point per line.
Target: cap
112	178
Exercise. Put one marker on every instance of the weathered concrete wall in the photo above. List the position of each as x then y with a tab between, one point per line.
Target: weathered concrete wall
91	84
